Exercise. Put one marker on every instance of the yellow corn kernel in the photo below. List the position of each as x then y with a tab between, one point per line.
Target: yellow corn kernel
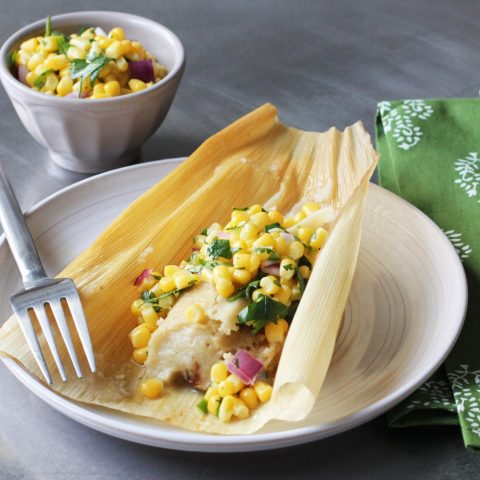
150	317
269	284
288	222
222	271
152	388
51	82
140	336
238	244
65	86
258	293
263	391
64	72
281	245
296	294
140	355
275	217
137	85
284	295
274	332
249	231
218	372
211	391
134	55
265	240
114	50
296	250
183	280
318	239
30	45
249	397
207	276
213	404
121	64
160	71
241	260
80	43
260	219
239	216
195	313
30	78
298	217
74	52
310	207
224	287
240	410
227	406
291	282
126	46
254	209
117	33
99	88
255	260
284	324
241	277
304	271
234	235
287	268
136	306
236	382
88	33
35	60
304	233
170	270
49	44
167	284
104	42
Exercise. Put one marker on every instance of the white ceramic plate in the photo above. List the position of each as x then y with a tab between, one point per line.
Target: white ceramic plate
404	313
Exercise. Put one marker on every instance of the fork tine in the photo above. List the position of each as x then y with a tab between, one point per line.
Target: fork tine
75	306
50	338
32	340
63	327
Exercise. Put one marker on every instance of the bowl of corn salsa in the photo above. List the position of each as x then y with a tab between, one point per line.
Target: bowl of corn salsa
91	87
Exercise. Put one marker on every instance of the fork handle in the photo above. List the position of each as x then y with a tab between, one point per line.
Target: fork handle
18	236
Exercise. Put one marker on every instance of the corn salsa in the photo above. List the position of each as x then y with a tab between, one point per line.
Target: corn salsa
259	256
89	64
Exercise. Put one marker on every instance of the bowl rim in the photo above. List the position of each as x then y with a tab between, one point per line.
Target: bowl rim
7	76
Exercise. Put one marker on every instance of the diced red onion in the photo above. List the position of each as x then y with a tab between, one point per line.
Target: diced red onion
272	267
223	235
142	70
245	366
195	249
287	236
138	281
22	73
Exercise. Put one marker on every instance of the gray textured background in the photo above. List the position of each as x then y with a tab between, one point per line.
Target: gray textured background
322	63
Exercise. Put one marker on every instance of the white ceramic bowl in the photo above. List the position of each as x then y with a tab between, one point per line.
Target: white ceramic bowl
96	135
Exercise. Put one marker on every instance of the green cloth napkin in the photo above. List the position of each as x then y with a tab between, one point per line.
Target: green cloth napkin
430	155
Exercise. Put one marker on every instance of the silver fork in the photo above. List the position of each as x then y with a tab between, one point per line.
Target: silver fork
41	291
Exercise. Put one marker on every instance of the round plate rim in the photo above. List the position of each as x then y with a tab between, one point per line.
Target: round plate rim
200	442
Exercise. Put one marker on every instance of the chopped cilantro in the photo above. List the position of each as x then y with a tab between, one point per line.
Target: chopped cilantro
304	261
301	280
48	26
291	311
202	405
241	209
62	43
88	68
273	254
261	312
204	231
219	401
288	266
12	59
219	248
273	226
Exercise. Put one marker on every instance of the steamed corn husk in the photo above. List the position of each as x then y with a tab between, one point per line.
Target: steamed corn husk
255	160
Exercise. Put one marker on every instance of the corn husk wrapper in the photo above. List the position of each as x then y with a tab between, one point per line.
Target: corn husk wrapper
255	160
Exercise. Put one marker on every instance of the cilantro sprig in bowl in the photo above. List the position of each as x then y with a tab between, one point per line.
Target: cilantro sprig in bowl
92	86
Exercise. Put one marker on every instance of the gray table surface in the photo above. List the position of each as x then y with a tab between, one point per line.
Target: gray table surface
322	63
